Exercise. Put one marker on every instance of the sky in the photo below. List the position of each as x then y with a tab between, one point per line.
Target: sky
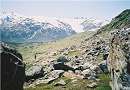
103	9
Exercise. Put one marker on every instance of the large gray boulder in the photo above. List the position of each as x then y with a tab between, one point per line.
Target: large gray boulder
62	66
60	83
62	59
50	77
34	72
103	66
54	74
86	73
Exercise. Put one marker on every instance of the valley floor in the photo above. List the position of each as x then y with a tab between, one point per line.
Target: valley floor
44	53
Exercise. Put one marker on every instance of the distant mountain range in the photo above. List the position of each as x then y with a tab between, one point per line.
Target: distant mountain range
17	28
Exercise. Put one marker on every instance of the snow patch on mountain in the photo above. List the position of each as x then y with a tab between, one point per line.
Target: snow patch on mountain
77	24
40	28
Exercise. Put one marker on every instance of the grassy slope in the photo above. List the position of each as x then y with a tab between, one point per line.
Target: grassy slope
28	50
79	84
45	49
119	22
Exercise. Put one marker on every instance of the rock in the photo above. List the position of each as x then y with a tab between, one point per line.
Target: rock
91	78
105	55
86	73
103	66
86	66
50	77
12	69
54	74
92	85
45	81
62	66
72	75
73	47
74	81
34	72
96	69
48	68
60	83
62	59
119	59
78	72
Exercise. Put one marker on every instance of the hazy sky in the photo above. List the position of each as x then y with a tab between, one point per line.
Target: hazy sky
66	8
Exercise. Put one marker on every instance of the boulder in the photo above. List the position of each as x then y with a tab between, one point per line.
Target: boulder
44	81
62	59
62	66
12	69
60	83
86	66
48	68
86	73
49	77
34	72
103	66
53	75
96	69
92	85
92	77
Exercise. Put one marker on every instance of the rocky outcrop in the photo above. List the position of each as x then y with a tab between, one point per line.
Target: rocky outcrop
60	83
119	59
12	69
120	21
62	66
34	72
50	77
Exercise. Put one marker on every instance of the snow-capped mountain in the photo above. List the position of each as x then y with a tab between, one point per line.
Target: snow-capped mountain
93	24
78	24
18	28
24	29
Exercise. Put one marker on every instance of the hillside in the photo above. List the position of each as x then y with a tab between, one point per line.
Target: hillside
17	29
28	50
115	36
97	60
119	22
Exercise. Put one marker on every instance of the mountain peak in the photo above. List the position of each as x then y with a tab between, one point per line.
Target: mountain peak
124	13
119	22
122	20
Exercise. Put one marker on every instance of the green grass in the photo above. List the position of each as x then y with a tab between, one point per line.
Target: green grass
100	57
80	84
50	86
104	82
28	50
73	53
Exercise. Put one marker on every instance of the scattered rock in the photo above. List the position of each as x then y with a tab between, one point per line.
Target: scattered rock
92	85
86	73
60	83
45	81
96	69
91	78
62	66
62	59
50	77
72	75
34	72
54	74
103	66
